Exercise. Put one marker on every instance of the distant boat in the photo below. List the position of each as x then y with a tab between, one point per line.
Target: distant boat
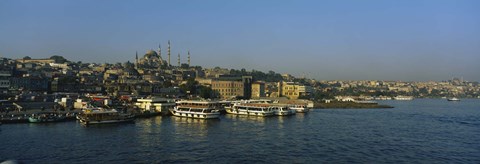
197	109
453	99
283	110
253	109
103	116
299	108
46	117
403	98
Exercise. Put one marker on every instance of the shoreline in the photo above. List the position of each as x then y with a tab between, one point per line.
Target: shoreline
349	105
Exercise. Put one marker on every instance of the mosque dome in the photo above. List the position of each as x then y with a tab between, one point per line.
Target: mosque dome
150	54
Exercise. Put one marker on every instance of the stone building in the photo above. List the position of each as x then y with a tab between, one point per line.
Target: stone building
293	90
258	89
233	87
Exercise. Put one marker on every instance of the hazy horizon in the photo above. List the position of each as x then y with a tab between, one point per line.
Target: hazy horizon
425	40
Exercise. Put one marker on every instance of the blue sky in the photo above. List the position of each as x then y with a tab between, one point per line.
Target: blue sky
409	40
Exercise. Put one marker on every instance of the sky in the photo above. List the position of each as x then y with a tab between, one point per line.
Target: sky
406	40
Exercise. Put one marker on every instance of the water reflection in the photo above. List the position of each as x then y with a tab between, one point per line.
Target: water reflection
197	128
247	118
153	121
300	116
193	121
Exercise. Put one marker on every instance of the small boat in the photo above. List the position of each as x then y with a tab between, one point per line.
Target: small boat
453	99
103	116
282	110
251	109
46	117
299	108
197	109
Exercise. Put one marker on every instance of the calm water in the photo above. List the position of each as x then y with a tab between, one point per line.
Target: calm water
419	131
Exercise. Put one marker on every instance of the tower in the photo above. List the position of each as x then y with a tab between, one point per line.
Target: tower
179	60
159	52
136	59
189	58
169	53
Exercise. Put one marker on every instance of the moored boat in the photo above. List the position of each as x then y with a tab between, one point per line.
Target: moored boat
282	110
299	108
103	116
251	109
46	117
197	109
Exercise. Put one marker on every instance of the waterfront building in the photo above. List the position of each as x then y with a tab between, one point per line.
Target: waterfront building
232	87
258	89
155	105
294	90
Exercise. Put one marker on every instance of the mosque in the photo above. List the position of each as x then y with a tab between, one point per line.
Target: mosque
153	59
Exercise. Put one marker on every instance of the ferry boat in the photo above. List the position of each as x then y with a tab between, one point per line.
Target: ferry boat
299	108
251	109
46	117
103	116
282	110
453	99
197	109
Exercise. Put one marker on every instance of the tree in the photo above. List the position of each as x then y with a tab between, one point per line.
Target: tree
58	59
206	92
27	58
184	66
190	87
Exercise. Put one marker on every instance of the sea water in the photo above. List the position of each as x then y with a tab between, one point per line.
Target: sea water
418	131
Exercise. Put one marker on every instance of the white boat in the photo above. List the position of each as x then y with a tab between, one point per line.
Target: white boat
453	99
197	109
403	98
282	110
103	116
251	109
299	108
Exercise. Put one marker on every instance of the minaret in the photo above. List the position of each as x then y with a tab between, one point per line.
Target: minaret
136	59
189	58
159	52
179	60
169	53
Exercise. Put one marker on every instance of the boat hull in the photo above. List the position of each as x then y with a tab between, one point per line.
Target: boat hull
196	114
249	113
14	120
284	113
91	122
45	120
301	110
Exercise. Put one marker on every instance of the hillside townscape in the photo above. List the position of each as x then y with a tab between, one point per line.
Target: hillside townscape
153	75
